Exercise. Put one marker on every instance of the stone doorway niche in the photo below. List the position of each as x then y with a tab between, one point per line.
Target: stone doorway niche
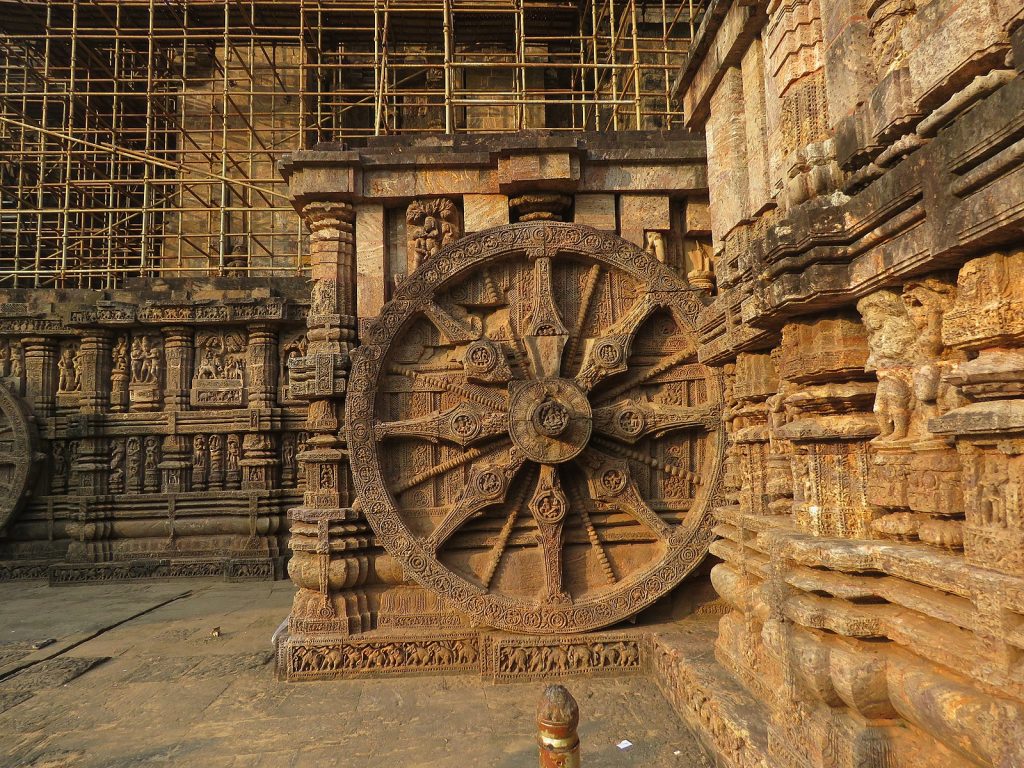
536	449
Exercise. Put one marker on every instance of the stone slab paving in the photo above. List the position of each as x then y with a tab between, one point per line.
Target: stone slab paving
159	689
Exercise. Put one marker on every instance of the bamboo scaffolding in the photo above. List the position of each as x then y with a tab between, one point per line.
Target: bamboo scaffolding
140	137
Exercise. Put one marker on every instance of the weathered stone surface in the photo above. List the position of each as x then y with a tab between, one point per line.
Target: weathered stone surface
484	211
871	526
597	211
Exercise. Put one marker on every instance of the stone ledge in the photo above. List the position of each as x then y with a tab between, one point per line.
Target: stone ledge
727	719
230	569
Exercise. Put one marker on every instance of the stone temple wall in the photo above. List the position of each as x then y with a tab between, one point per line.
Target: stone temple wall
866	182
152	431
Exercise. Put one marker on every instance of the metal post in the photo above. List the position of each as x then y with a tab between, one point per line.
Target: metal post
558	715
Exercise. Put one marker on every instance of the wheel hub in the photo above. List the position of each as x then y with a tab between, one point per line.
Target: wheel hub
549	420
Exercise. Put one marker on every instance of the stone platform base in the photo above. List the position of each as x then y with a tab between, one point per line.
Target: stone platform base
729	722
230	569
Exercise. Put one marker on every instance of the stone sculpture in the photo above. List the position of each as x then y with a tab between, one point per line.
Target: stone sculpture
432	224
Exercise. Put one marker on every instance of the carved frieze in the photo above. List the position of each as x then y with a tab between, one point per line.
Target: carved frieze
218	380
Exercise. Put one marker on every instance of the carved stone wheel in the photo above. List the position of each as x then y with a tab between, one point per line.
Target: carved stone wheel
18	456
530	433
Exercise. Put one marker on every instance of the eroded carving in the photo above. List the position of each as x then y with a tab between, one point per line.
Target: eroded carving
432	224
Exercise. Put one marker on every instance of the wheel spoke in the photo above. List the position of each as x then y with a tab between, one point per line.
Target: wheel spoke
454	330
490	399
595	539
548	507
438	469
465	424
506	531
606	444
635	419
613	487
546	335
608	354
581	318
646	375
487	484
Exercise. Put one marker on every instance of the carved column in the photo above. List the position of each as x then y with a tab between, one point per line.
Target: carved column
178	352
94	369
987	321
327	565
259	462
914	473
41	374
739	578
261	363
831	423
94	372
175	469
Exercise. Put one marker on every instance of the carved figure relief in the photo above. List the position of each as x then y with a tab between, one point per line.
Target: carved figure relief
12	365
120	375
233	453
431	225
366	656
133	466
891	339
888	19
146	366
911	468
516	658
654	244
288	463
69	378
59	471
200	463
151	472
216	462
219	378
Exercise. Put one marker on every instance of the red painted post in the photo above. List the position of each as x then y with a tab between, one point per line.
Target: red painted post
557	718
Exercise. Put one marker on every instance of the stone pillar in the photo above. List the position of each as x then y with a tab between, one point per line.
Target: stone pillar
823	361
727	157
259	462
94	370
41	374
261	363
94	373
178	353
328	567
739	578
175	469
987	322
371	271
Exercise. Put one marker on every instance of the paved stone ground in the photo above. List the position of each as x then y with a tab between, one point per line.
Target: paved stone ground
135	678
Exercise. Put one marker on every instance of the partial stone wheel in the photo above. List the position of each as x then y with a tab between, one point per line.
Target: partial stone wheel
530	433
18	454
